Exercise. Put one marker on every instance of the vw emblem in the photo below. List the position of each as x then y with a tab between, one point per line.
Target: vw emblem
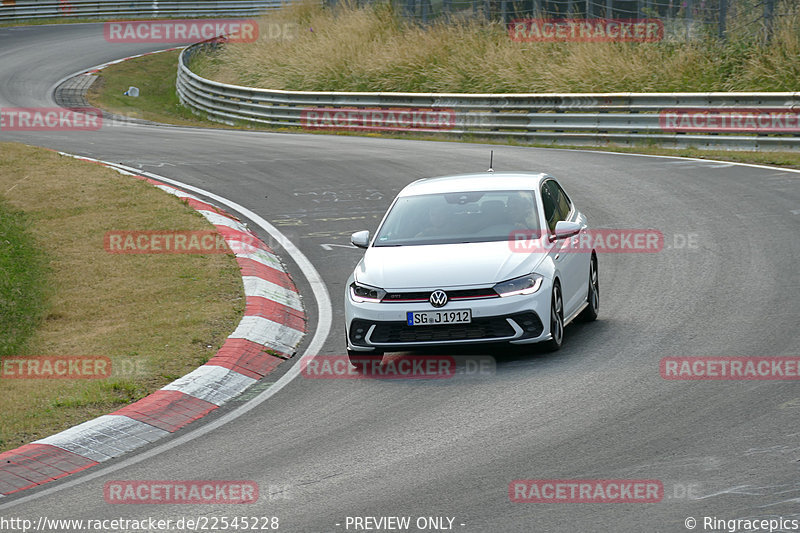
438	298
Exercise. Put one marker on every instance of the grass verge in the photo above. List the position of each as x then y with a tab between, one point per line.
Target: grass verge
156	317
22	283
159	102
155	76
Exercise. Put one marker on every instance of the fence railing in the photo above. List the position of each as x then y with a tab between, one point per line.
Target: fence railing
732	121
19	10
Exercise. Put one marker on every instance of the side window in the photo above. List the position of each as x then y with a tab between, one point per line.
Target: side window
563	201
550	205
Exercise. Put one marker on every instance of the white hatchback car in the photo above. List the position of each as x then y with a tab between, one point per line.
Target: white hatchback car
468	259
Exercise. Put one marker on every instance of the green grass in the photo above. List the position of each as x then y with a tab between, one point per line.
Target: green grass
155	77
156	317
23	278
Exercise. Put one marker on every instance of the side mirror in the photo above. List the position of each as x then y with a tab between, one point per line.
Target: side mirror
566	229
360	239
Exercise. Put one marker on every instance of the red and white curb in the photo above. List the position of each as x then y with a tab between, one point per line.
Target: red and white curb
272	326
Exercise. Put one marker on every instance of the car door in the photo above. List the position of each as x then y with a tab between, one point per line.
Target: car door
570	260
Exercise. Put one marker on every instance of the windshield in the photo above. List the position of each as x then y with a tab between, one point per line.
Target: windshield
459	217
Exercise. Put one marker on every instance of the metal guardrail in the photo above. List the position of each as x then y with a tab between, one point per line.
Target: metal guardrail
18	10
560	119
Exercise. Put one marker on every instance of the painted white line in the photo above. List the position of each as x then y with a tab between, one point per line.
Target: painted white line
330	246
325	317
718	161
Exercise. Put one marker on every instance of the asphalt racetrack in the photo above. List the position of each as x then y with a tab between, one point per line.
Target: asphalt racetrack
326	450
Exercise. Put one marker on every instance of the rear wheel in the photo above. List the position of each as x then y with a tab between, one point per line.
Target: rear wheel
556	320
593	297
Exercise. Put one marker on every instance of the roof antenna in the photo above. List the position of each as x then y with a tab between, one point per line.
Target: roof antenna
491	161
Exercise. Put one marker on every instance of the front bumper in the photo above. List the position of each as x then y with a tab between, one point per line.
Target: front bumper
514	319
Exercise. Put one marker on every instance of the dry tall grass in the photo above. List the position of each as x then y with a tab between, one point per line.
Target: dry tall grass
308	47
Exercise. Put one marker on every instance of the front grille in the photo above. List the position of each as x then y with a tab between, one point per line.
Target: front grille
399	332
422	296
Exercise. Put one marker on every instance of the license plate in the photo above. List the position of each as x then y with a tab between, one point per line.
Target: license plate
435	318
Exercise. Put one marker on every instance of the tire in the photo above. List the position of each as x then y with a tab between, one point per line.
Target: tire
593	296
556	320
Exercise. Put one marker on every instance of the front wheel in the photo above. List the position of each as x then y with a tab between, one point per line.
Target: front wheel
556	320
593	297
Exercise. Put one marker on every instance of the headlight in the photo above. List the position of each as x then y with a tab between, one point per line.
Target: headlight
364	293
522	285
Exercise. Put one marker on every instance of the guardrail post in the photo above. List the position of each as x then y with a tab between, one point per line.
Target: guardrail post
411	8
769	12
688	17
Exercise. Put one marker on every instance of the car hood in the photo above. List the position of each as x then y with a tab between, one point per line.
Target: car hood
443	265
